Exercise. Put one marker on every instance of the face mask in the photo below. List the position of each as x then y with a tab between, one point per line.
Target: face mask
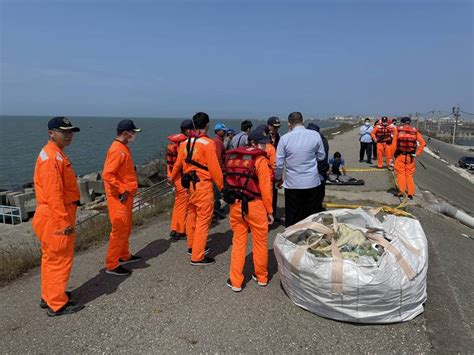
132	138
367	123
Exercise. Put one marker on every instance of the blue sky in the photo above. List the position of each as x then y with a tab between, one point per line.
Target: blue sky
235	58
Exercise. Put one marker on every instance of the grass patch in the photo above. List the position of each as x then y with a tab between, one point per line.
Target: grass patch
15	260
342	128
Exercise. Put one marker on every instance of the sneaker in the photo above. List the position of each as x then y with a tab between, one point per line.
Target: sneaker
119	270
398	194
133	259
410	197
180	236
262	284
68	308
44	305
233	288
206	251
204	262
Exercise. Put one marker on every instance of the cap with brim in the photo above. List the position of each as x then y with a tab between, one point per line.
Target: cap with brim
259	136
274	121
127	125
220	127
62	123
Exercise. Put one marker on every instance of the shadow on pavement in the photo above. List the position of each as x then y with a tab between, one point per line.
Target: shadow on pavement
104	284
249	270
219	243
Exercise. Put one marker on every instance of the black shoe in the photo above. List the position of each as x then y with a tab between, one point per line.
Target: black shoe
172	234
369	162
262	284
204	262
398	194
233	288
410	197
119	270
68	308
133	259
206	251
44	305
180	236
361	160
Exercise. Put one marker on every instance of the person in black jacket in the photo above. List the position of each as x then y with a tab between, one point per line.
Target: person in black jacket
323	166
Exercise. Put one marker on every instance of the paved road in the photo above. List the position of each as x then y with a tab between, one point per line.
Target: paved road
449	152
445	183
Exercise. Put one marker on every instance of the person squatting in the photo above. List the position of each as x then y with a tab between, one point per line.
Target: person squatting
245	169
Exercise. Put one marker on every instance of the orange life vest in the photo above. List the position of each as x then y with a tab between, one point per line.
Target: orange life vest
172	150
241	180
406	139
383	134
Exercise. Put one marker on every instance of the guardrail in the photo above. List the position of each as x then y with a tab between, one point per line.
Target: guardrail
10	212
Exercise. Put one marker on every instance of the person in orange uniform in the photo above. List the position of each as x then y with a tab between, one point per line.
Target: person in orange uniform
248	190
383	134
57	198
181	195
408	144
121	185
197	159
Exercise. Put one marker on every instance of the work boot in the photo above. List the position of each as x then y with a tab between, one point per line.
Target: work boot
132	259
361	160
172	235
68	308
206	251
233	288
180	236
369	161
204	262
44	305
262	284
119	271
410	197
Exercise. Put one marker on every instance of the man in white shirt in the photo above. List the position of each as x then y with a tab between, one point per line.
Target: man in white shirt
299	151
365	141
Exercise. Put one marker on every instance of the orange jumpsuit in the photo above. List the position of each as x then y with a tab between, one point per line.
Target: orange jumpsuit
384	147
271	153
257	220
405	163
201	195
56	196
119	176
181	197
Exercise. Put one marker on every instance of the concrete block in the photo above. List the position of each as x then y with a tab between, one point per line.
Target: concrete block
10	197
3	197
96	186
96	176
84	191
29	190
25	203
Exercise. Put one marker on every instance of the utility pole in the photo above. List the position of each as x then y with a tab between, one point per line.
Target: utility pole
456	117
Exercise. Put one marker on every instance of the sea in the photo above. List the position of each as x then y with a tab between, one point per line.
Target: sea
22	137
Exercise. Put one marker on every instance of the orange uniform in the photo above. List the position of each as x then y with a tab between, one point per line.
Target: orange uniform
181	195
119	176
408	142
271	154
202	151
384	135
256	219
57	195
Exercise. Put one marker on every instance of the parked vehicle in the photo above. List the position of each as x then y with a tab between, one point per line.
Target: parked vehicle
466	162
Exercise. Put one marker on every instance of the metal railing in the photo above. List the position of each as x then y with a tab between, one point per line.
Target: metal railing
10	212
143	199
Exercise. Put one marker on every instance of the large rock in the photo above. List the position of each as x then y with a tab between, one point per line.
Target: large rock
151	173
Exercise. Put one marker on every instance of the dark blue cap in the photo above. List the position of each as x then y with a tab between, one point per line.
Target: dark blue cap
405	120
274	121
187	124
127	125
259	135
62	123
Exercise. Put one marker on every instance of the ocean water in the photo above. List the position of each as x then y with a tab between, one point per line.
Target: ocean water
21	139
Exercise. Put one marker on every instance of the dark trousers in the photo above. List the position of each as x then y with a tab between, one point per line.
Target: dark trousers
321	195
374	150
274	201
365	148
301	203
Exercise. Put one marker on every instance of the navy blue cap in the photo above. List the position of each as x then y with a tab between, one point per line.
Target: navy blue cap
187	124
127	125
62	123
274	121
231	130
259	135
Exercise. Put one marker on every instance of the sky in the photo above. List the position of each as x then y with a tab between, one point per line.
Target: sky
235	59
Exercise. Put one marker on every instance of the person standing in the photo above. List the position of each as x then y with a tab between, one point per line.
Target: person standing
408	144
274	125
121	185
383	135
198	161
181	196
299	152
249	193
323	166
241	138
365	141
220	131
57	198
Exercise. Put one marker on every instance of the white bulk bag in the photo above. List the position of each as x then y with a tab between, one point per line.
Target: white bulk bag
390	290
